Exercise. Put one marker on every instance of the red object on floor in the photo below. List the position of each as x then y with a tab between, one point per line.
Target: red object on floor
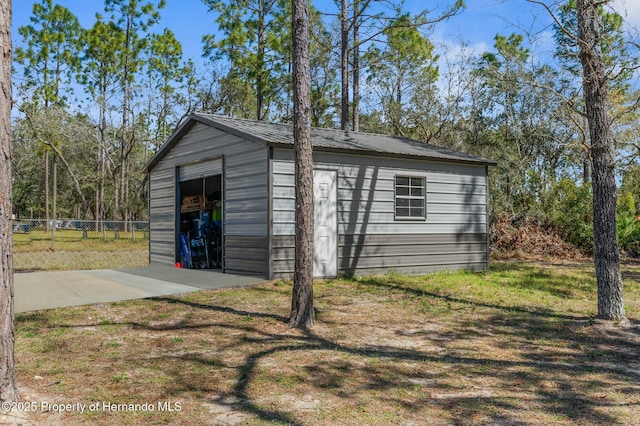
178	265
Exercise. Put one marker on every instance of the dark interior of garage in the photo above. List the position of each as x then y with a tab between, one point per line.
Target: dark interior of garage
200	241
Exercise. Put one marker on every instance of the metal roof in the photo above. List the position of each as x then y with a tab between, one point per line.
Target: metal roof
273	134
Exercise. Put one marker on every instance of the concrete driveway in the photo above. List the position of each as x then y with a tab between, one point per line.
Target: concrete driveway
55	289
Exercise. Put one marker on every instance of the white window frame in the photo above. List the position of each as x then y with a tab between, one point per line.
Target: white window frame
410	197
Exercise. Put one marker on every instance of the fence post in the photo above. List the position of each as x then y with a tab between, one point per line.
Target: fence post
53	232
133	228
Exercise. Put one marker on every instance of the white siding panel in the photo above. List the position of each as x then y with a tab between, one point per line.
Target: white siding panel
284	203
455	188
455	209
460	199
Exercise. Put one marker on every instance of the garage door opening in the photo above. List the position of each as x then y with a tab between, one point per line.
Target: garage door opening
200	237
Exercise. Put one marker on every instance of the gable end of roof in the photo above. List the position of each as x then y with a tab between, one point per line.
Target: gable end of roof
328	140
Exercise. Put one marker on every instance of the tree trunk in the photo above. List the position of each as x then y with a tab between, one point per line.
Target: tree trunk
126	145
586	155
54	199
102	154
596	93
586	166
260	74
123	177
356	69
344	66
8	389
76	183
302	314
101	199
46	189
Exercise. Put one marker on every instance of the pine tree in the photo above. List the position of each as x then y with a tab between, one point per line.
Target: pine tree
8	388
596	95
50	61
255	44
302	314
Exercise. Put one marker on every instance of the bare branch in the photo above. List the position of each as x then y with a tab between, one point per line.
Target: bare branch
556	19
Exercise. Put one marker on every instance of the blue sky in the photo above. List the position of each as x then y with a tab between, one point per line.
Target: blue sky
189	19
477	25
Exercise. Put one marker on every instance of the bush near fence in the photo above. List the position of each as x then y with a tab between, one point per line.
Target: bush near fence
77	229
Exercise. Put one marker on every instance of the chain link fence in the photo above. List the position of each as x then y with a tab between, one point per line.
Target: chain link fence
77	229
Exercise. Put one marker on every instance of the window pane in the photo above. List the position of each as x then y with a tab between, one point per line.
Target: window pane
416	192
402	212
402	190
417	212
403	202
416	181
401	180
417	202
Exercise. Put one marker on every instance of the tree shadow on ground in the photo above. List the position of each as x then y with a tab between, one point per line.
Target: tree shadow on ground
561	380
488	364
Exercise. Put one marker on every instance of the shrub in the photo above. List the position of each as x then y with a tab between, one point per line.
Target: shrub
569	209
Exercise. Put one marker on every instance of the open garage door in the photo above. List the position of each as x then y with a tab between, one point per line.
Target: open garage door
200	227
201	169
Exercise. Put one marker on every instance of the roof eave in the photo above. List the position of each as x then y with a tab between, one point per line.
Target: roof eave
230	129
478	162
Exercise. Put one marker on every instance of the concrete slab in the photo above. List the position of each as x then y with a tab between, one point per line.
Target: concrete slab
202	278
55	289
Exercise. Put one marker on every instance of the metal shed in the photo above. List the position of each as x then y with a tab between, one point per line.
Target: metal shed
381	202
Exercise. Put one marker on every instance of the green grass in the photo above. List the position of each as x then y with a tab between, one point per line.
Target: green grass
42	240
33	251
515	345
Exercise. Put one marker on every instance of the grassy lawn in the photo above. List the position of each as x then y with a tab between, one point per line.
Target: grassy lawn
516	345
33	251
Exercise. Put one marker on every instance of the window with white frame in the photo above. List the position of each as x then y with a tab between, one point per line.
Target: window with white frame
410	200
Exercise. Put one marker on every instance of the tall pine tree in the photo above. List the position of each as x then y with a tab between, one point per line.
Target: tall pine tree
8	388
254	42
302	314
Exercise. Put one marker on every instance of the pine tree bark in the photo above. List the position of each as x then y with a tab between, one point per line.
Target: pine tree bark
260	83
302	314
355	114
586	155
46	189
8	389
596	93
344	66
54	199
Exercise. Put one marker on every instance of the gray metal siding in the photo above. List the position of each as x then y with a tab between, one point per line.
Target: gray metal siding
247	255
410	253
162	207
245	189
456	212
456	195
200	169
